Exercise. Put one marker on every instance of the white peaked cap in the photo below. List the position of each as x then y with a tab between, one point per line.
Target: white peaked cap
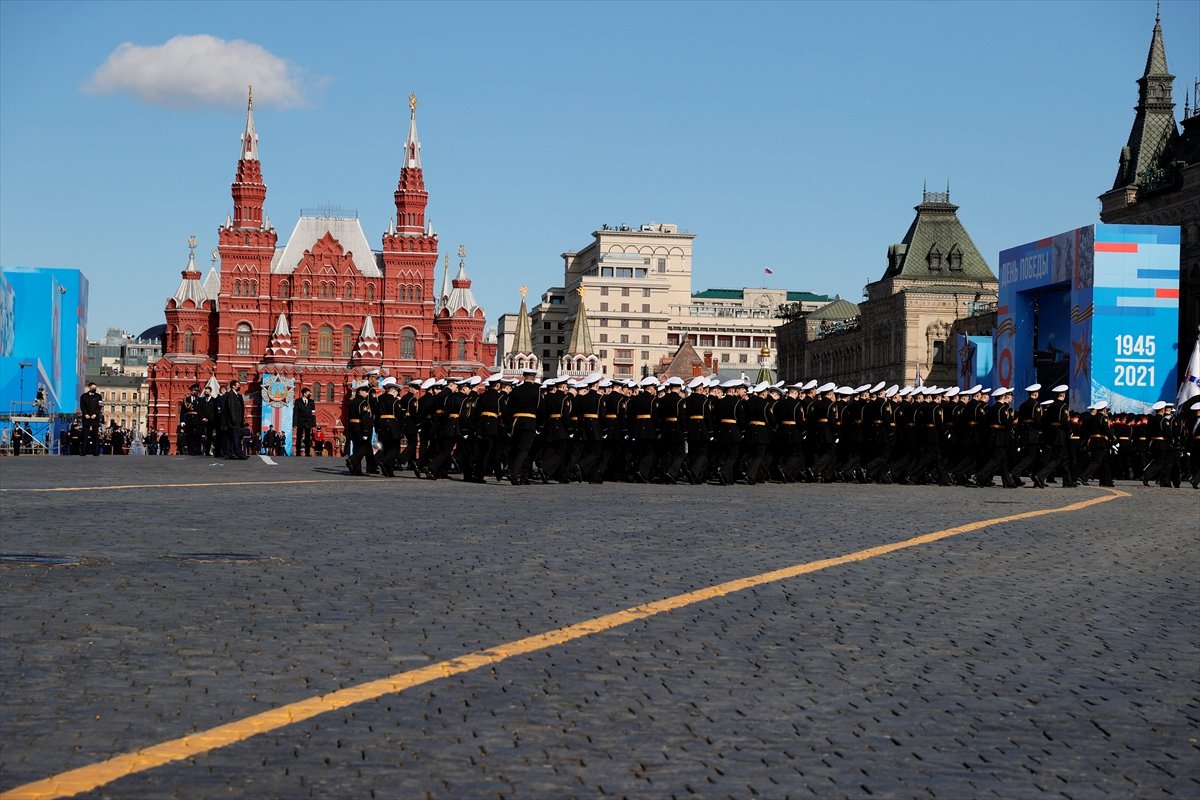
697	381
1033	387
1103	404
1062	387
1159	406
891	391
810	385
428	383
827	387
649	380
879	387
1045	402
954	391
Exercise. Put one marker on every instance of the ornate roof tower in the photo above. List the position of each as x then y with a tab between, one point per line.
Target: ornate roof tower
1154	126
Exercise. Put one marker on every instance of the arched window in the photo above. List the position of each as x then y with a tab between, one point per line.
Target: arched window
325	342
243	339
408	343
347	340
305	289
416	294
254	288
189	343
302	342
283	288
329	390
349	293
237	288
316	387
370	291
462	349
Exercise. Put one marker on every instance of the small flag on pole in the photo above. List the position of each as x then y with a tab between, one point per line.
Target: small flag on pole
1190	387
768	271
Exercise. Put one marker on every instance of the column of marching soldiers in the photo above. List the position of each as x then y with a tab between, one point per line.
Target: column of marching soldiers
594	429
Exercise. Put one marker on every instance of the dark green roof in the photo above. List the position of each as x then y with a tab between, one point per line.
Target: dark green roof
719	294
837	310
936	235
738	294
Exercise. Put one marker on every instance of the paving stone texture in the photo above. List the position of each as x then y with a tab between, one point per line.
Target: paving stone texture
1055	656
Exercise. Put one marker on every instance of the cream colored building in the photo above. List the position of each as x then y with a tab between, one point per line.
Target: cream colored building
126	400
640	306
735	324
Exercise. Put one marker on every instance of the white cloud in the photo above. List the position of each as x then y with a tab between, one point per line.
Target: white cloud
200	71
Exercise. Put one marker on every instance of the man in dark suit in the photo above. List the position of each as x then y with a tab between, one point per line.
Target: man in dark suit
91	408
306	419
233	417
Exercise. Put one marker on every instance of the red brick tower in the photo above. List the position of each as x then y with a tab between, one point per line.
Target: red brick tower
410	249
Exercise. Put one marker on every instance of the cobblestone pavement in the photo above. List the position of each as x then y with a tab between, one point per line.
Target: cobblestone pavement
1052	656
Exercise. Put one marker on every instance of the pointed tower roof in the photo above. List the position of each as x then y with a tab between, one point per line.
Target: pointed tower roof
412	147
580	343
444	295
281	348
686	363
1154	128
190	287
523	341
367	351
212	284
461	297
937	246
249	137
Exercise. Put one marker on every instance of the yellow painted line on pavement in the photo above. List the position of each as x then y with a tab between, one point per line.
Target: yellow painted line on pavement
72	782
173	485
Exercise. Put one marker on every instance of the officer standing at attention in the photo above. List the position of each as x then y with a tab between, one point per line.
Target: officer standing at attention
359	424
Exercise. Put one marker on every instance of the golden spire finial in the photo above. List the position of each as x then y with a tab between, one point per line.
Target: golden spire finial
462	251
192	242
446	260
214	257
250	96
524	291
412	103
581	290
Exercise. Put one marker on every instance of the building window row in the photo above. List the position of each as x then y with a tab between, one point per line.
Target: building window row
245	287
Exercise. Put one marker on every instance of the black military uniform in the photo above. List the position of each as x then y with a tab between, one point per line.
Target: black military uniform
698	409
389	429
359	426
644	432
522	420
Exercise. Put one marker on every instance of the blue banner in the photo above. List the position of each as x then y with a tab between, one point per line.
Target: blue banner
278	398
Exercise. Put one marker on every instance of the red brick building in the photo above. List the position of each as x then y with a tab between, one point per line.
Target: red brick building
324	308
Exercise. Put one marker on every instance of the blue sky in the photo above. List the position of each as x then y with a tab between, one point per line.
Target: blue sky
790	135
